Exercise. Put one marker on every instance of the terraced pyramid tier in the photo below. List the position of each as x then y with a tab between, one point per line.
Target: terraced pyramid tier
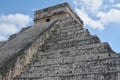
72	53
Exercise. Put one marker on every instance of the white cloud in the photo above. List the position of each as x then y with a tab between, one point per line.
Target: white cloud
8	28
111	1
18	19
88	21
91	5
12	23
76	2
112	16
96	14
117	5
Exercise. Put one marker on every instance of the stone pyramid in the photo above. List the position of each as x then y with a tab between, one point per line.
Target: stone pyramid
57	47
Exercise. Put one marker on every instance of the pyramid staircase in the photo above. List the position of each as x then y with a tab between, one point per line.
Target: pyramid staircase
72	53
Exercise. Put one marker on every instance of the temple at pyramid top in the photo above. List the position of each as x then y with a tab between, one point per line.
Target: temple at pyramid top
58	11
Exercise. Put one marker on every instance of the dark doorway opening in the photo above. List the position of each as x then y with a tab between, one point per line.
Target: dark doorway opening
47	20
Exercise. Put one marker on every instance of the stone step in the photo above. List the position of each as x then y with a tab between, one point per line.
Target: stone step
93	76
85	67
61	44
45	60
73	31
81	55
99	48
69	35
68	26
70	22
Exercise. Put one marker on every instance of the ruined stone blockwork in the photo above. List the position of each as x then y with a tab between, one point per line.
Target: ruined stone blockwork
57	47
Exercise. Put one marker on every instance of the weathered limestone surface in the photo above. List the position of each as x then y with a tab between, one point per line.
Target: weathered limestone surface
71	53
59	49
55	12
2	43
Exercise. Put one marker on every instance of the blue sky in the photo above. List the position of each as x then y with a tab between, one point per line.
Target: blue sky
101	17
